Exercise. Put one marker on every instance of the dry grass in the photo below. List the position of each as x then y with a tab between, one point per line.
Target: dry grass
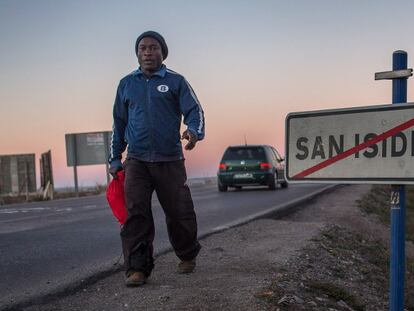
377	202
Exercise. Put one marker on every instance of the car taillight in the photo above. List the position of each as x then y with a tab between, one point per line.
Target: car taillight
222	166
264	165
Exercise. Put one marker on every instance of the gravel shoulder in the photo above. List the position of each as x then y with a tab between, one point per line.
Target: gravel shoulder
292	263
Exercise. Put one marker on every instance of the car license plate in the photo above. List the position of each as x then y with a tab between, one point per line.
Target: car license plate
244	175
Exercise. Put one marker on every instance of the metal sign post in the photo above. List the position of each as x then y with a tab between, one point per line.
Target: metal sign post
399	77
75	166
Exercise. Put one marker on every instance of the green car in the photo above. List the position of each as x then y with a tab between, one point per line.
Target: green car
251	165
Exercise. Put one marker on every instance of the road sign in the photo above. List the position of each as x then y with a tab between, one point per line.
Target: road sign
395	74
372	144
87	148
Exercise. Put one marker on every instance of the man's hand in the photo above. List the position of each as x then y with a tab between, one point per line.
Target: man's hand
192	139
114	171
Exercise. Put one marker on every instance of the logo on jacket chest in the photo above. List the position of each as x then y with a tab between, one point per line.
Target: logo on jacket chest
162	88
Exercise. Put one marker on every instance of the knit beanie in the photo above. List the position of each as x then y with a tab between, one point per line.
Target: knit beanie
155	35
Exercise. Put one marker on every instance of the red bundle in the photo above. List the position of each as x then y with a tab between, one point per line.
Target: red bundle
116	198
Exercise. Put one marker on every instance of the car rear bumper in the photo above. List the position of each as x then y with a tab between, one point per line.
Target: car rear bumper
243	178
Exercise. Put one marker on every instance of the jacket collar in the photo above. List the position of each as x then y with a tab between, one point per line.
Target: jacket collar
161	72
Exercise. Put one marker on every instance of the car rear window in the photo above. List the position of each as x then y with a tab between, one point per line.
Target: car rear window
245	153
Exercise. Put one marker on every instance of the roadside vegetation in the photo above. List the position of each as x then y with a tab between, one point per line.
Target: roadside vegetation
377	202
345	269
341	270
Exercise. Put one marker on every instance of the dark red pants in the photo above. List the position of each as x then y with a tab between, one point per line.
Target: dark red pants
168	179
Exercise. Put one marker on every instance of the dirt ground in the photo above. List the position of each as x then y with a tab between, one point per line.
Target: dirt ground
327	256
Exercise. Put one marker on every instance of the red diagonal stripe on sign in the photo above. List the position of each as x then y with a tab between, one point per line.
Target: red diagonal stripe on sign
355	149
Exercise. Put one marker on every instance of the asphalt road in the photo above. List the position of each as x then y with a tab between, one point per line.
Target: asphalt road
47	246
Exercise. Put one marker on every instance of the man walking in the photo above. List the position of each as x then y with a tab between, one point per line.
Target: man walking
149	106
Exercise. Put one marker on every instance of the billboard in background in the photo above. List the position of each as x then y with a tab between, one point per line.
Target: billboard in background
17	173
87	148
46	172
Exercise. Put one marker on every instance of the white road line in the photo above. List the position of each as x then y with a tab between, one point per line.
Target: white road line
40	209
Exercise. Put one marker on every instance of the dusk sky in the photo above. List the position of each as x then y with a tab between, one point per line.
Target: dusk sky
249	62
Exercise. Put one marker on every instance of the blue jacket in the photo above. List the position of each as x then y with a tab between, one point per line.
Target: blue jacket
147	116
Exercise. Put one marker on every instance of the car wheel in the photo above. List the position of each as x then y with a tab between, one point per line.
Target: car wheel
272	182
222	188
238	188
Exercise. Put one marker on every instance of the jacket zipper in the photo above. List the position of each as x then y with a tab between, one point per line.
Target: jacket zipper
151	127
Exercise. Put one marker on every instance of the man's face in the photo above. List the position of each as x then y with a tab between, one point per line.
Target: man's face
149	55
